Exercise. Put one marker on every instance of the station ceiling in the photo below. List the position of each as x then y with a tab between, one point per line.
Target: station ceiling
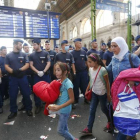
67	8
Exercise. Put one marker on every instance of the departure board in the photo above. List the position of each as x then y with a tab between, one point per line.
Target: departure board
23	23
36	25
11	24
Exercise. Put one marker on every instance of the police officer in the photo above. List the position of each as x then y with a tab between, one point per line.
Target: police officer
56	49
136	49
65	56
4	86
16	63
85	48
40	64
107	57
102	51
94	48
29	74
81	78
52	57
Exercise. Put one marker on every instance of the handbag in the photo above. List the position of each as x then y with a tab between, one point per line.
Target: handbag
88	94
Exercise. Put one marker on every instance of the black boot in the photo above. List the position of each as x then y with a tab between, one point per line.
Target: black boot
37	110
12	115
29	113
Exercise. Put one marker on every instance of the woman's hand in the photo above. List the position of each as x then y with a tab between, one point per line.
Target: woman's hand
131	83
109	98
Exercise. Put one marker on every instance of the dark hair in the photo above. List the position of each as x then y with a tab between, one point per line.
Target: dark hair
96	58
64	67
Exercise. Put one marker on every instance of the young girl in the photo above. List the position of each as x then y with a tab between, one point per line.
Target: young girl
65	100
100	89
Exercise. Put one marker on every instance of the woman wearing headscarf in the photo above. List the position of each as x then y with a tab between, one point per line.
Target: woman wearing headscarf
120	61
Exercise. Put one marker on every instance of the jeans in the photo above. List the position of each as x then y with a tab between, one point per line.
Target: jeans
93	106
121	136
63	126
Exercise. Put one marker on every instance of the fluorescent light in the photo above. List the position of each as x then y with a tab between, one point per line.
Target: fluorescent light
27	4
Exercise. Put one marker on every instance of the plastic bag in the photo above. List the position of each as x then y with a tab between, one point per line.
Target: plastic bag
127	113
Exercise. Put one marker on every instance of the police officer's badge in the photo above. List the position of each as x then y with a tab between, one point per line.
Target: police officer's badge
20	61
42	61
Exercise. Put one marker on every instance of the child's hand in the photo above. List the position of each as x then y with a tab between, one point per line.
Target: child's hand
109	98
55	108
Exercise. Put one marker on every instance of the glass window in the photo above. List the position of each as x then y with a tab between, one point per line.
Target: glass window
75	32
106	18
87	27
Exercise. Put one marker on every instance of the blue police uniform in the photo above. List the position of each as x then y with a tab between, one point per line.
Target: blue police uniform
85	49
93	50
108	57
65	58
52	57
40	60
102	52
4	86
16	60
81	79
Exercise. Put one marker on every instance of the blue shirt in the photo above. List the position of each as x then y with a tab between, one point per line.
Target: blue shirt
2	63
65	58
101	54
64	96
16	60
92	51
52	57
108	57
39	59
80	59
117	66
85	49
135	49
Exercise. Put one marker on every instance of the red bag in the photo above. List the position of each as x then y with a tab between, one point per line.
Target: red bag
88	94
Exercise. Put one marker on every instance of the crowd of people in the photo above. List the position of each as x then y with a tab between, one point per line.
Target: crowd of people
75	67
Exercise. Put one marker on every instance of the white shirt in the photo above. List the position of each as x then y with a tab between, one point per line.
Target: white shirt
98	87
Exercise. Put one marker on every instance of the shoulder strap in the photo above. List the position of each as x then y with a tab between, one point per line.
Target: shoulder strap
130	60
96	77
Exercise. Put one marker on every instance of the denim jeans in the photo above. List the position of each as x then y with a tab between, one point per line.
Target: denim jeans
93	106
63	126
121	136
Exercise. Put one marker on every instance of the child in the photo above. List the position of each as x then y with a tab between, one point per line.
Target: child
65	99
100	90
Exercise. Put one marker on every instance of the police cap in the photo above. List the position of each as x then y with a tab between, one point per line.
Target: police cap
47	41
56	46
137	38
25	44
36	40
77	39
94	40
64	42
103	44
